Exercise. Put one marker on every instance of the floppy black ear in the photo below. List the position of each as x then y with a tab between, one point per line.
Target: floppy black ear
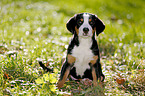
71	24
100	26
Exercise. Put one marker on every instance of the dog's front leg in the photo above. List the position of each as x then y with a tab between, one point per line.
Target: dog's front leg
64	74
97	75
66	70
93	70
97	72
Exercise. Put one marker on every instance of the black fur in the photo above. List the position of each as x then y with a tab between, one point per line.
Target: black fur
99	26
44	67
71	24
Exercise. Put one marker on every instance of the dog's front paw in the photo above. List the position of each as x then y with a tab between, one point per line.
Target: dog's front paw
60	84
98	84
95	83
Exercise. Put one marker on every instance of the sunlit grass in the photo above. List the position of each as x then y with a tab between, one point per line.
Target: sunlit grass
36	29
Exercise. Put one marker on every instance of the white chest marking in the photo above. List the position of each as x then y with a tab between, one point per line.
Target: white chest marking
83	55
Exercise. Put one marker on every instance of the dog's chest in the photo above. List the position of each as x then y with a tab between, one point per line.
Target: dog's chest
83	55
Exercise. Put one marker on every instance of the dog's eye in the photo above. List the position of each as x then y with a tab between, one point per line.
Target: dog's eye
79	22
91	23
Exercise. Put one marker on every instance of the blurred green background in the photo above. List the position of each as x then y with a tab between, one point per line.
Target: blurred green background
35	29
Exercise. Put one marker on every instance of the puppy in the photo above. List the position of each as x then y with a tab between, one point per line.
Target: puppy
83	59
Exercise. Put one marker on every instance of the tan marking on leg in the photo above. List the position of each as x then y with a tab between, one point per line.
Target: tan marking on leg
95	81
71	59
61	82
94	77
69	76
77	30
94	61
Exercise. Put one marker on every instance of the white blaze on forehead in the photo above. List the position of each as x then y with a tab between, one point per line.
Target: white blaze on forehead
86	18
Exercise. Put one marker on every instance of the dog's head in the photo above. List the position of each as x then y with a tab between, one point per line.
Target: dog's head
85	25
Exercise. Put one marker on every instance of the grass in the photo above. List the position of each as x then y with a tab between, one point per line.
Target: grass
36	29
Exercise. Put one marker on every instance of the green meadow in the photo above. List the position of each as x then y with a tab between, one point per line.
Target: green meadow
32	30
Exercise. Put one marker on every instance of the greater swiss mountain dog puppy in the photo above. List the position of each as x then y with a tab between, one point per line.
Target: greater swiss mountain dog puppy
83	59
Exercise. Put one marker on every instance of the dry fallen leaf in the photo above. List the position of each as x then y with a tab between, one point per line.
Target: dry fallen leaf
47	64
120	81
6	76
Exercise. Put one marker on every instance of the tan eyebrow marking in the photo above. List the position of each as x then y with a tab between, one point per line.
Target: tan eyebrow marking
90	19
82	20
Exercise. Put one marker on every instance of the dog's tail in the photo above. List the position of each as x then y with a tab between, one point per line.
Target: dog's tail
44	67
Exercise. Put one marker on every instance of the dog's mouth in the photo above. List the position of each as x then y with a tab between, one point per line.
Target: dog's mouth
85	34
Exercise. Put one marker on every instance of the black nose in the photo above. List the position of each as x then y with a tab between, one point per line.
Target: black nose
86	30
